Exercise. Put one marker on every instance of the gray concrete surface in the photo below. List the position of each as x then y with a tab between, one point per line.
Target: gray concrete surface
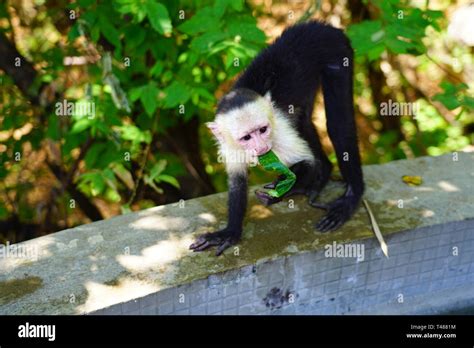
424	275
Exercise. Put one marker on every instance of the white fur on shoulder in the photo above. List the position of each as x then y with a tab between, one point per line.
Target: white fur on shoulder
287	144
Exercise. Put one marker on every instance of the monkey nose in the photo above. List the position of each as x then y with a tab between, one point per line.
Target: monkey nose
263	151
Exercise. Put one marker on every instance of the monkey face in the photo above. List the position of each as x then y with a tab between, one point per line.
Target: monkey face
247	127
258	140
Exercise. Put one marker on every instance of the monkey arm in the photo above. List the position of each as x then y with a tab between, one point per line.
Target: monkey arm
230	235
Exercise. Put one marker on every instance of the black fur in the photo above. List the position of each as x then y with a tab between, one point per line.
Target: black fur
236	99
237	204
237	200
292	69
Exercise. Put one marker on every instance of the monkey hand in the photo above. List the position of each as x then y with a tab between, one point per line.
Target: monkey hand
274	183
222	239
339	211
265	198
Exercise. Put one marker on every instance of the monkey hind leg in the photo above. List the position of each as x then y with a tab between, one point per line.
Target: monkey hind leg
338	100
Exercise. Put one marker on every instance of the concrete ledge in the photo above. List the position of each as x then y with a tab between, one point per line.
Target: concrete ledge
139	263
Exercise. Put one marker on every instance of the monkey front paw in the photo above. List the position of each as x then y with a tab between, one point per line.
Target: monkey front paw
339	212
274	183
222	239
266	199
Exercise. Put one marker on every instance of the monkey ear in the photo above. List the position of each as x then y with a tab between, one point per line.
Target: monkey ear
214	129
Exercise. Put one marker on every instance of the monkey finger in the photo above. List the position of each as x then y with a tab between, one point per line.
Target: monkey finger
207	239
321	225
202	247
332	224
199	241
334	227
319	205
265	198
331	221
222	247
326	222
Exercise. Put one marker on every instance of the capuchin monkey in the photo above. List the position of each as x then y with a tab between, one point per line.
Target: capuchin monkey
270	107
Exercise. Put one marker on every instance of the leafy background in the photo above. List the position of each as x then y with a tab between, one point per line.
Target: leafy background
155	70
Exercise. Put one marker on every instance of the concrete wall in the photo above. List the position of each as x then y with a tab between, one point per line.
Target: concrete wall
430	271
139	263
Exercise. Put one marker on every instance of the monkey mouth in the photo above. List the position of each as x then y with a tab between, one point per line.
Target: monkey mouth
262	152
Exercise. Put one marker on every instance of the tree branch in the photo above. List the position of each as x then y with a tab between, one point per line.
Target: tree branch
23	75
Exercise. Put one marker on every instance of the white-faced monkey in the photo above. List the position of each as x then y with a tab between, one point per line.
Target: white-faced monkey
270	107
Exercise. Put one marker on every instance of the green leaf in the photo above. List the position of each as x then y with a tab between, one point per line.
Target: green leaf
454	96
375	52
125	209
135	134
153	186
220	7
157	169
131	6
93	154
92	181
450	101
175	94
109	31
238	5
203	21
112	195
247	31
468	102
149	99
206	41
85	3
108	156
3	211
365	36
97	184
157	69
398	46
135	35
135	93
81	125
168	179
203	92
159	17
53	127
73	33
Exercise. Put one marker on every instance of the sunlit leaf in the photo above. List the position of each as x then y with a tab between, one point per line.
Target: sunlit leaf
412	180
159	17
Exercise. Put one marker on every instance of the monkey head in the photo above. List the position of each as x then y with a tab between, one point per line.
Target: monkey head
244	122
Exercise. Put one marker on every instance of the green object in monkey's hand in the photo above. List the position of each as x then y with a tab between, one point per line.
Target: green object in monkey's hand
285	181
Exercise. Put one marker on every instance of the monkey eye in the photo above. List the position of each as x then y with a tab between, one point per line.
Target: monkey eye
247	137
263	129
